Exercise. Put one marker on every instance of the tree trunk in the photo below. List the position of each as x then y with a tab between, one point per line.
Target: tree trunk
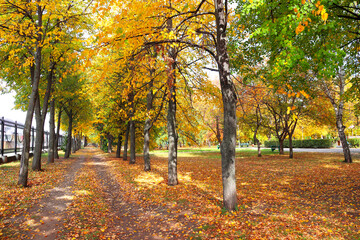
39	139
291	151
171	116
69	136
259	148
126	141
40	121
52	132
339	110
118	150
149	100
147	166
24	163
110	138
218	134
256	141
57	137
281	146
132	142
344	143
73	145
228	144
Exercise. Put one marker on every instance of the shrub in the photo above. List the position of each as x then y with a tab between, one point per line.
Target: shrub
307	143
354	142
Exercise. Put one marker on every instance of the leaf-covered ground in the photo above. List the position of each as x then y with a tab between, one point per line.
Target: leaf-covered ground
313	196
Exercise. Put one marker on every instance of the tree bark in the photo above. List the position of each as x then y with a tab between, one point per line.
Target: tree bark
52	137
109	138
257	142
126	141
291	151
73	144
147	166
259	148
57	137
228	144
69	136
24	163
118	150
40	116
149	105
342	136
339	111
171	115
39	139
281	145
132	142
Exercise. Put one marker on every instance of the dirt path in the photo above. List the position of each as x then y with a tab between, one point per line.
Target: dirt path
129	220
44	220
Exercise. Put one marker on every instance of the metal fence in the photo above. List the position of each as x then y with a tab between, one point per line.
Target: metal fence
12	138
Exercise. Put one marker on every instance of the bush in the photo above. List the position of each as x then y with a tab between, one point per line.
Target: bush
64	143
307	143
354	142
104	145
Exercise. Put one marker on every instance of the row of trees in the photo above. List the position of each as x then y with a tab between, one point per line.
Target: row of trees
40	45
141	71
280	69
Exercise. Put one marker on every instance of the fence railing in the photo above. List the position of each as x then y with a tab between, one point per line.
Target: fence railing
12	138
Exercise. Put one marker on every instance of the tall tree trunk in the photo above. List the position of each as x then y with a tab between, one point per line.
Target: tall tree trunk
291	130
281	146
109	138
149	101
291	151
73	144
147	166
40	120
257	142
132	142
228	144
171	115
126	141
218	134
39	139
24	163
69	136
118	150
52	132
342	136
57	137
339	110
259	148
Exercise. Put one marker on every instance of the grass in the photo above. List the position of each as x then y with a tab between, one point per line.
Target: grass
210	153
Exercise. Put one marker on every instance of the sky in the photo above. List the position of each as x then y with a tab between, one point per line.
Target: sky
9	113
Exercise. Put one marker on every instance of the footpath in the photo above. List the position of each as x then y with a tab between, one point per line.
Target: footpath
91	204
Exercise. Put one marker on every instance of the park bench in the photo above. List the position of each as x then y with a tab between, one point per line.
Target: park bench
274	147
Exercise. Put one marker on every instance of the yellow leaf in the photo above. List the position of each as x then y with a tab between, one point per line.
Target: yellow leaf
303	1
324	16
